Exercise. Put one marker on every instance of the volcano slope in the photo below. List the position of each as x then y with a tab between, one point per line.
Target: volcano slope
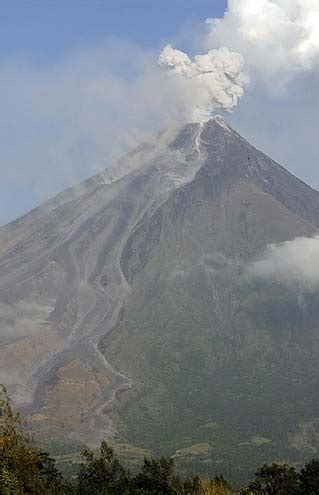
127	309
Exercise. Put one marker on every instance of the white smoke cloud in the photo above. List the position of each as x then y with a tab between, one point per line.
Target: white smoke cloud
212	81
277	38
65	121
22	319
294	263
77	114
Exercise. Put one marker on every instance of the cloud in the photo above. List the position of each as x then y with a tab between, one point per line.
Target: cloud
278	38
293	263
22	319
64	121
212	81
279	42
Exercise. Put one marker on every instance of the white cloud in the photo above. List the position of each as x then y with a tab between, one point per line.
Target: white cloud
277	38
22	319
62	122
279	41
212	81
294	263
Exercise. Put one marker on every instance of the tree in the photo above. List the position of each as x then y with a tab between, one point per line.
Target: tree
274	479
18	458
23	469
309	478
49	477
157	477
102	473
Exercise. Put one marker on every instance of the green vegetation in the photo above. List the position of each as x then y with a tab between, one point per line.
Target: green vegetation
25	470
243	383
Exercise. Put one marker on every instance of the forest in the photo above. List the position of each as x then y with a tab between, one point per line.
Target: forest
27	470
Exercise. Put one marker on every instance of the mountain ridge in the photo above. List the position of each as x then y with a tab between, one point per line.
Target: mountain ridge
122	297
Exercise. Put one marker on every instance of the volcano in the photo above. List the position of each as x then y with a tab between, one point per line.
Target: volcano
126	310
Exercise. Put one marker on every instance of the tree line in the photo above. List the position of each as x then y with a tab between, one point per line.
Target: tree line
25	470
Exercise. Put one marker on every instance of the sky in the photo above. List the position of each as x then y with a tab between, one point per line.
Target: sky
50	28
36	35
80	83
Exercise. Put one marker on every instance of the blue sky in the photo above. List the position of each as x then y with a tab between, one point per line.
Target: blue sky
36	35
79	87
48	29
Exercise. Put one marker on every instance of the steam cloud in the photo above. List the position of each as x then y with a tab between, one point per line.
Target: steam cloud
277	38
80	113
211	81
22	319
293	263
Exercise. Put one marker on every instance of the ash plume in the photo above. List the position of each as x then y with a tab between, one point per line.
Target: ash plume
212	81
278	39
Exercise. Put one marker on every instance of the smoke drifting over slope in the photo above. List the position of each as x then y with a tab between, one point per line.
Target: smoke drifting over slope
273	41
74	116
277	38
294	263
211	81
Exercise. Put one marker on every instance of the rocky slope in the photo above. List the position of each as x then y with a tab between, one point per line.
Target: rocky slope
62	287
126	308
